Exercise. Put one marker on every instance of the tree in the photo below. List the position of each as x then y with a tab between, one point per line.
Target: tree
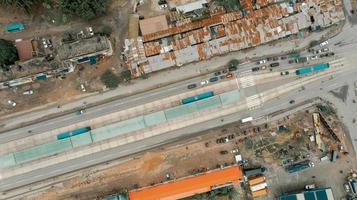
110	79
107	30
8	53
229	5
233	62
25	5
126	75
86	9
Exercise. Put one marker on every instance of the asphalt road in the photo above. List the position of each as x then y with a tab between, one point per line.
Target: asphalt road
121	104
345	46
279	103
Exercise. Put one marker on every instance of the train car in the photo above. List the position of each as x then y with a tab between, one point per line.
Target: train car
320	67
197	97
303	71
73	133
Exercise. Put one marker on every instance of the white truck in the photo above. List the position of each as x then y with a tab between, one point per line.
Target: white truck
248	119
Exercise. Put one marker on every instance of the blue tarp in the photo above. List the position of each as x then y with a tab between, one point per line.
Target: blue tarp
93	60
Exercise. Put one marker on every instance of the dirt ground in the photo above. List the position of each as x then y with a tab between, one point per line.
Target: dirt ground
201	153
61	90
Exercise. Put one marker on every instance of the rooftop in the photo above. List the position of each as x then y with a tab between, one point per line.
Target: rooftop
83	47
316	194
154	24
190	41
188	186
24	50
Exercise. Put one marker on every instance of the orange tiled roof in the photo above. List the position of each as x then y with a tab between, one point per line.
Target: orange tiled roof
188	186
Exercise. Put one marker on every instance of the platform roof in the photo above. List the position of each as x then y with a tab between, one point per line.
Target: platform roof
188	186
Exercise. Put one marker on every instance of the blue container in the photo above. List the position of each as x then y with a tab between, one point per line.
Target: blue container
73	133
303	71
15	27
320	67
197	97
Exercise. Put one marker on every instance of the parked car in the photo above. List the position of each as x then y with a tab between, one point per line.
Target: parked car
276	64
213	79
12	103
224	71
233	68
223	152
275	58
291	61
263	67
292	101
283	57
284	73
217	73
83	88
310	187
347	187
254	69
191	86
230	137
262	61
204	82
324	44
90	30
28	92
229	75
234	151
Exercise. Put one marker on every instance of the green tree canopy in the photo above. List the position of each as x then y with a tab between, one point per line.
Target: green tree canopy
86	9
126	75
229	5
110	79
8	53
25	5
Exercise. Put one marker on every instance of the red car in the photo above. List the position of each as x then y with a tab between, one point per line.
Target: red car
229	75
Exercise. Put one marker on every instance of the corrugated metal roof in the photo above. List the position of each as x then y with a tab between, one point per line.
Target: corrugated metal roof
188	186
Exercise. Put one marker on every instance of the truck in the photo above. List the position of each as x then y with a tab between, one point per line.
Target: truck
259	186
73	133
247	119
333	156
197	97
256	180
259	193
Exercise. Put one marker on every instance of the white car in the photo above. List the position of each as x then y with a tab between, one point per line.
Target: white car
28	92
262	61
83	88
90	30
325	49
314	57
310	187
204	82
12	103
324	44
234	151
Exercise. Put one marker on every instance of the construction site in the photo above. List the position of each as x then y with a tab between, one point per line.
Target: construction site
268	155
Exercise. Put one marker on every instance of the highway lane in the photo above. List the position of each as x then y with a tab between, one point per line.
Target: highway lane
121	104
268	107
125	150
